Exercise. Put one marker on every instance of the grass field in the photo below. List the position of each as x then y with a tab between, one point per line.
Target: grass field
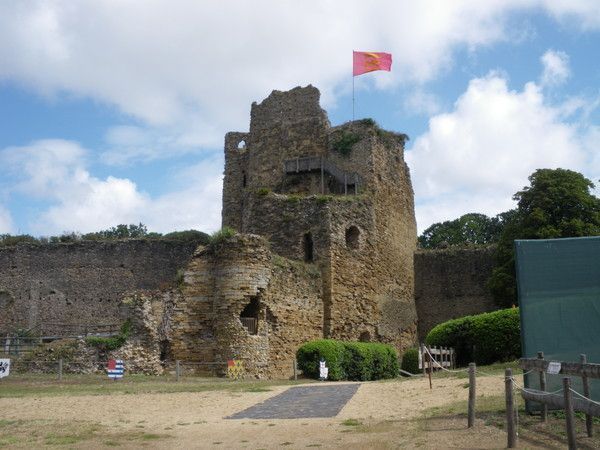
43	385
91	411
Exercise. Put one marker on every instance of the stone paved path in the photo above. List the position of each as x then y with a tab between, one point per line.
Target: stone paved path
302	402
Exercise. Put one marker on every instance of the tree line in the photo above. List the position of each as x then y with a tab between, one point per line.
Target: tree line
558	203
121	231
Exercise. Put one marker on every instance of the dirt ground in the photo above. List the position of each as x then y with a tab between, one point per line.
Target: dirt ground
380	415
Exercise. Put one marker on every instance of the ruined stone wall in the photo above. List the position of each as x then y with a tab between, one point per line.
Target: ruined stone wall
83	282
451	283
220	282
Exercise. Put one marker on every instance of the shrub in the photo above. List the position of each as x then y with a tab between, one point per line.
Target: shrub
385	361
483	338
220	236
410	361
361	361
113	342
333	352
344	142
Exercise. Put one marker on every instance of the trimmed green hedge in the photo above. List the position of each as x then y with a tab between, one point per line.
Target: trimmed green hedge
410	361
483	339
361	361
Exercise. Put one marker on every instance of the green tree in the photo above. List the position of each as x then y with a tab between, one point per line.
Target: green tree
557	204
471	228
121	231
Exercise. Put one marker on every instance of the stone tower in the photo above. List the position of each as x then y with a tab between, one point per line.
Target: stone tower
339	198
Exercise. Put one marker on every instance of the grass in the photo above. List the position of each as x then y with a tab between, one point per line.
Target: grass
46	385
56	433
351	423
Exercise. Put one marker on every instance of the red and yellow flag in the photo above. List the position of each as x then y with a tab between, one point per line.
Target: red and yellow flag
364	62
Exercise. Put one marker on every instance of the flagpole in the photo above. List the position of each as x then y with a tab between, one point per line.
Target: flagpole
352	85
352	97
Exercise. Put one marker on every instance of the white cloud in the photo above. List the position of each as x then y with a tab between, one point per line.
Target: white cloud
196	65
42	166
556	68
474	158
77	201
422	102
6	222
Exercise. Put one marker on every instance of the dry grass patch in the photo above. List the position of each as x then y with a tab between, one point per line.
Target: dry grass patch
50	433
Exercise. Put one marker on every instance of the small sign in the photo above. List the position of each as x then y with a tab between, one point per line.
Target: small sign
115	369
323	370
4	367
553	367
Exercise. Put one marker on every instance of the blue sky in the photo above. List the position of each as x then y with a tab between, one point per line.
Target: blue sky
115	112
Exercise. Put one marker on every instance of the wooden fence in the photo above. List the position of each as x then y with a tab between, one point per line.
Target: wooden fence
440	357
559	400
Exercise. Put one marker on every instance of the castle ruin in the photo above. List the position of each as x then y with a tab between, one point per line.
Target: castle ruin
327	236
324	248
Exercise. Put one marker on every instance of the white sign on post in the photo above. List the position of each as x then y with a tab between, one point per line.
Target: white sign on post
4	367
553	367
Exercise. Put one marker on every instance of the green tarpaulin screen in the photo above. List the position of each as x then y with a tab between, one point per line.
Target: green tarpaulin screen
559	298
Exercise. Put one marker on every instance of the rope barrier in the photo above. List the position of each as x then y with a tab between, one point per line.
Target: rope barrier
408	374
533	391
584	397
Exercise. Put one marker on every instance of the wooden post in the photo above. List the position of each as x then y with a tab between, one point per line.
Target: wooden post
295	370
586	393
177	370
472	392
544	411
60	369
570	413
510	410
430	366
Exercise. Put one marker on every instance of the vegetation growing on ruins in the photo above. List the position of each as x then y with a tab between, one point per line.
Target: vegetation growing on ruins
263	191
484	338
293	198
113	342
359	361
119	232
220	236
344	141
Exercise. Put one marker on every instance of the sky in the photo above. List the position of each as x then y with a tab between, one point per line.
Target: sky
115	111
